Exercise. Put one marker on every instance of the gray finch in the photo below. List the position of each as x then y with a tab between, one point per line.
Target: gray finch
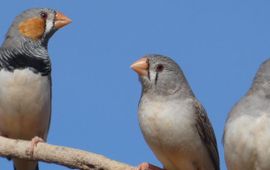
247	131
173	122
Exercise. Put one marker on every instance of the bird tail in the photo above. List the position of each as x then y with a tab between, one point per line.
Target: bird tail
20	164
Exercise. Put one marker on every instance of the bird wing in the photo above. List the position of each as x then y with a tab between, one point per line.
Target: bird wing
206	133
45	135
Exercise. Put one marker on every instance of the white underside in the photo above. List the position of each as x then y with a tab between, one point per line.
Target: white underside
169	129
247	143
24	104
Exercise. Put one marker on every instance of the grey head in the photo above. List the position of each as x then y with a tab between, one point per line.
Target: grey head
261	81
160	75
34	26
257	97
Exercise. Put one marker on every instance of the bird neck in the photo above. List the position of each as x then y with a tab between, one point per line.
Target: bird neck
260	88
181	90
18	41
28	56
29	47
261	83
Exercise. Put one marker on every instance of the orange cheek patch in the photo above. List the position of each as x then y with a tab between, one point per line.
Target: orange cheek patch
32	28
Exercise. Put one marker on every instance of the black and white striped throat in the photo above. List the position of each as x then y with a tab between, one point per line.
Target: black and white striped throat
11	60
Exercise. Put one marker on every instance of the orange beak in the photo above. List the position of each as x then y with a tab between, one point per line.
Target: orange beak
61	20
141	66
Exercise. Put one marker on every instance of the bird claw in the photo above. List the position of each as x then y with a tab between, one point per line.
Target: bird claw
35	140
147	166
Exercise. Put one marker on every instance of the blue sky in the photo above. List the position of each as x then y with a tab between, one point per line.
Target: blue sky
218	44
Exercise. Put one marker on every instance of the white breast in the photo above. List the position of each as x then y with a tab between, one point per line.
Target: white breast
247	142
166	120
24	104
169	129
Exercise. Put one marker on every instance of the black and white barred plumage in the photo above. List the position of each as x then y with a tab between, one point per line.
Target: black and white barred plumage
25	77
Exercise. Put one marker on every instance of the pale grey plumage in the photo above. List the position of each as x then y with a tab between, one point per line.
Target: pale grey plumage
247	130
174	124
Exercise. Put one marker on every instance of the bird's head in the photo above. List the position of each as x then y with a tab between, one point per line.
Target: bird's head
35	25
159	75
262	78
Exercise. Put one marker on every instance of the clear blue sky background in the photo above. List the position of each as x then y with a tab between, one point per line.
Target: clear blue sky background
218	44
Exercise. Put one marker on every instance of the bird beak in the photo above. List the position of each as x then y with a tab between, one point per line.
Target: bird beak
61	20
141	66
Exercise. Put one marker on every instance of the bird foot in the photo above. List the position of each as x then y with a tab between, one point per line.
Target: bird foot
148	166
35	140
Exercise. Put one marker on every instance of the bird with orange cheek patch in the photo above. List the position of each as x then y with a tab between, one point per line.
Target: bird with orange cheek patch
25	78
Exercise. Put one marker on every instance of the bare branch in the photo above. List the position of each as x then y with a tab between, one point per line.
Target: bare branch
69	157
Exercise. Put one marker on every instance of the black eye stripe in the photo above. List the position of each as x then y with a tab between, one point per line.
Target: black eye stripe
54	16
156	79
148	70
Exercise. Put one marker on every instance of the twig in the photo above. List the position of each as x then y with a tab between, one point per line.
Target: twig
69	157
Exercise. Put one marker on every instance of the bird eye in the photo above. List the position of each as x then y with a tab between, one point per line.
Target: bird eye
159	68
43	15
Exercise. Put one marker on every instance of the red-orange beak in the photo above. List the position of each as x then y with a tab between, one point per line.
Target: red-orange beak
61	20
141	66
